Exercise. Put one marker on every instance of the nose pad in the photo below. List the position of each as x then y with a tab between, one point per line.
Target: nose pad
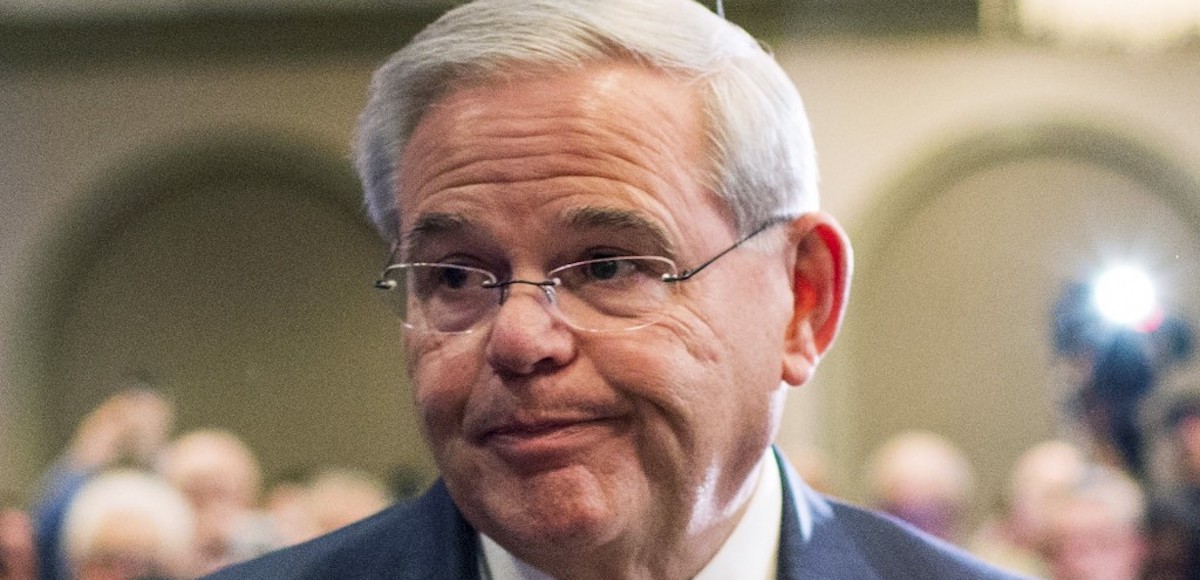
549	293
546	287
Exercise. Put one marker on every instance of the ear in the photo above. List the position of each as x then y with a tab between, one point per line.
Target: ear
820	287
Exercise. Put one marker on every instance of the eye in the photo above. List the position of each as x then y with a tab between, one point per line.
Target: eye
446	280
612	272
607	269
454	278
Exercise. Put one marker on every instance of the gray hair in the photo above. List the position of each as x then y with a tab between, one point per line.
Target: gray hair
761	159
134	514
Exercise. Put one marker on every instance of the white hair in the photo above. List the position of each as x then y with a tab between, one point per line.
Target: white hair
761	159
133	513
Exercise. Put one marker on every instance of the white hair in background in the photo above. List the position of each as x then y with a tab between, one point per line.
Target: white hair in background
127	513
338	497
761	157
920	466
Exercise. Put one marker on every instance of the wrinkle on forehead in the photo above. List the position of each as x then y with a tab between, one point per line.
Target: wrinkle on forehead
591	122
622	145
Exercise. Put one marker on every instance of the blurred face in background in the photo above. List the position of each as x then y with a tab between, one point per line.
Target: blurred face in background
220	478
17	560
1188	436
1088	541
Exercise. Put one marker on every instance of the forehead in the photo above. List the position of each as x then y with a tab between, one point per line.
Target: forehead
541	147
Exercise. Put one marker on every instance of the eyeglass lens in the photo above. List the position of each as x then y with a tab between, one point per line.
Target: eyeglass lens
607	294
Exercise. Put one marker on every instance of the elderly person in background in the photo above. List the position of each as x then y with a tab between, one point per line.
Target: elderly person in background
1095	531
612	271
925	480
128	428
129	525
220	477
1043	475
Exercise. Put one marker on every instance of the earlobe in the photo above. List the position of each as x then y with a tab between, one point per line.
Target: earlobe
820	287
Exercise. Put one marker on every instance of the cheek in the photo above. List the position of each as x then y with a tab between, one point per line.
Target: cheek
723	359
676	369
442	374
733	342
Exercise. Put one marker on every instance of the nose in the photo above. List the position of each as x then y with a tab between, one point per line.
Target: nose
527	335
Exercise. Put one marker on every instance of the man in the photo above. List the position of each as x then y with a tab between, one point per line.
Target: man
1094	531
129	427
1174	515
128	524
611	271
221	479
924	479
1042	475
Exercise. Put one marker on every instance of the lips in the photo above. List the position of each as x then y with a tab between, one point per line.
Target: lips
538	442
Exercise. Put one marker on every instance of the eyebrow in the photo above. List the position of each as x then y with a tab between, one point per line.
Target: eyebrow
431	226
623	220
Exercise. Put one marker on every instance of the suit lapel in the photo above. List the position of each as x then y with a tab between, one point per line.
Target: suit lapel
447	544
815	546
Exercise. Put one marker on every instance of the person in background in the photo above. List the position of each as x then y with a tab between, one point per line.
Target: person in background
1094	531
1043	475
612	269
287	509
924	479
338	497
1174	519
129	525
17	556
130	427
813	467
221	478
302	507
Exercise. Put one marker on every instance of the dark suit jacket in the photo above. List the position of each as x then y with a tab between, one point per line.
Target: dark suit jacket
430	539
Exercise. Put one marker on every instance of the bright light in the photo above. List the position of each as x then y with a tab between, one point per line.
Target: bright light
1125	295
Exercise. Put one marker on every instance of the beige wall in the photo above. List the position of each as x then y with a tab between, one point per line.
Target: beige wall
880	110
949	322
75	137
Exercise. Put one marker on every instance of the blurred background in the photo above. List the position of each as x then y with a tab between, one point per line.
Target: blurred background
177	210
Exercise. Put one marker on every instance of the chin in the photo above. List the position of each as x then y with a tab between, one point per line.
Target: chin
566	508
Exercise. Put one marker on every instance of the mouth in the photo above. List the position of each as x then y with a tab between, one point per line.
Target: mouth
540	443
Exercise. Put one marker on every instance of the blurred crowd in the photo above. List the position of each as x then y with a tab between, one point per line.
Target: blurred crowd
126	501
1071	510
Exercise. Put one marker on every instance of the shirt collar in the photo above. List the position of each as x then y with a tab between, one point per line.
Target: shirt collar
751	551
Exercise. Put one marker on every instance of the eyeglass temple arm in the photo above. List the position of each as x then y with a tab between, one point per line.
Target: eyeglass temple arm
721	9
686	274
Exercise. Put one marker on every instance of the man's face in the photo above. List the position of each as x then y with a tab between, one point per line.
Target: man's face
1188	436
549	437
1089	542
